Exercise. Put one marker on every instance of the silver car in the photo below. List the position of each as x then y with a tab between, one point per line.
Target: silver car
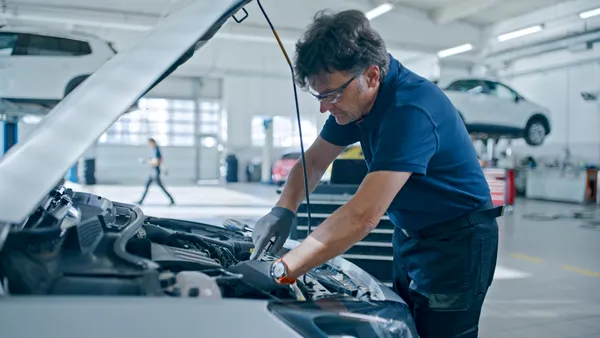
73	264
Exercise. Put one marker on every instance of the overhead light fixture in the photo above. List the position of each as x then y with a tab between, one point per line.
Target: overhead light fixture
455	50
589	14
379	10
520	33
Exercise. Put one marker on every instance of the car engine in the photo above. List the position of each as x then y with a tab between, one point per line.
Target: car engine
81	244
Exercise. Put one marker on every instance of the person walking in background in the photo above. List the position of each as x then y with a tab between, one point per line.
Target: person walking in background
155	163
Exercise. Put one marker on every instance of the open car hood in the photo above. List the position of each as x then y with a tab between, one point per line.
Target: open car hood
35	165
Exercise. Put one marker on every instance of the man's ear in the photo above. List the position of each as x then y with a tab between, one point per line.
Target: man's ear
373	76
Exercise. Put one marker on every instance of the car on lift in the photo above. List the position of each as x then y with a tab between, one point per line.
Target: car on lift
72	258
65	58
493	108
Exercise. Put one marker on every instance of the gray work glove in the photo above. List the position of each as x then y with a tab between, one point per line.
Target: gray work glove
278	224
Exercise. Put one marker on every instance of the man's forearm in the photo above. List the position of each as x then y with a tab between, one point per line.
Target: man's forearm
293	192
348	224
333	237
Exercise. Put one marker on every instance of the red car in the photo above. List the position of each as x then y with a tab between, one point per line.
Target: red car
281	167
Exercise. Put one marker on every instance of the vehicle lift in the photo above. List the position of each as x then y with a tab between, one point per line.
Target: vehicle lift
10	114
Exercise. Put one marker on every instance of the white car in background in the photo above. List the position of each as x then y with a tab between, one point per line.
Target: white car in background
42	66
492	108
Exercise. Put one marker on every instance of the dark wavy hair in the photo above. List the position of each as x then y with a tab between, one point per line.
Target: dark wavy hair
343	41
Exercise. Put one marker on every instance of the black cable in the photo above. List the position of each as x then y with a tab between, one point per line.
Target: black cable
297	115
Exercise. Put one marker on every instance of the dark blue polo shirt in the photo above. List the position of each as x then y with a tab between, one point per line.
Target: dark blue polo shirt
413	127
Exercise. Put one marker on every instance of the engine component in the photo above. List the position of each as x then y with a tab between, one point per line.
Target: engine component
177	259
235	225
197	284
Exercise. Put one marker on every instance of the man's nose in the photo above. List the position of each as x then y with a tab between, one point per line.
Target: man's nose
325	106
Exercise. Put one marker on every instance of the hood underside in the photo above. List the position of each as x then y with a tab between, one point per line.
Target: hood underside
34	166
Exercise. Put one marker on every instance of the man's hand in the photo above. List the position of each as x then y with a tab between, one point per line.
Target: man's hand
278	224
257	274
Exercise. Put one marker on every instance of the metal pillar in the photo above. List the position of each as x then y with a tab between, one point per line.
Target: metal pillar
267	151
10	134
491	143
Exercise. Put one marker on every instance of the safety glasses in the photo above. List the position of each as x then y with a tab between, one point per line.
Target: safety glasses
333	96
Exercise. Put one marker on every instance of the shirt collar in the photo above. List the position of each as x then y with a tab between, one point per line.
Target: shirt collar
387	90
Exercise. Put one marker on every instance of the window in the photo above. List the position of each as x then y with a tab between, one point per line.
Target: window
500	91
209	123
285	131
170	122
468	86
33	44
7	43
291	156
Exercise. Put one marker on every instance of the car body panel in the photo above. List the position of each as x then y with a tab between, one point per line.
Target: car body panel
101	317
21	73
352	152
282	166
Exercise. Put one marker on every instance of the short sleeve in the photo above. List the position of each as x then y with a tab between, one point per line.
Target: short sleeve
408	138
340	135
157	153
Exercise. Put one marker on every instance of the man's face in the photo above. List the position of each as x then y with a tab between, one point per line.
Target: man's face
346	96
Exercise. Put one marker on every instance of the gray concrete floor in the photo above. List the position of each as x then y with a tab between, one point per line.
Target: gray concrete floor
548	279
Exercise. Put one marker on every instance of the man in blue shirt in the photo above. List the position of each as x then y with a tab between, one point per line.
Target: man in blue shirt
423	171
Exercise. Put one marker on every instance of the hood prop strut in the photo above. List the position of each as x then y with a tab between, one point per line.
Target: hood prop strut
287	58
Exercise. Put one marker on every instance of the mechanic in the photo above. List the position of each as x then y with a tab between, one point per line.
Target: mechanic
423	171
155	163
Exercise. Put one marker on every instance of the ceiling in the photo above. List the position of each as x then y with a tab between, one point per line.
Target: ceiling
423	26
477	12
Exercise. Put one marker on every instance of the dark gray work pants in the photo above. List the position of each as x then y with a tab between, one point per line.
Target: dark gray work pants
445	278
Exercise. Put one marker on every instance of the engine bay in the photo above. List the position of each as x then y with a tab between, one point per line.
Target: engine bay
77	243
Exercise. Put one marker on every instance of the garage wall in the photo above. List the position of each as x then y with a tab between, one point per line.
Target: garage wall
253	79
245	97
119	163
556	81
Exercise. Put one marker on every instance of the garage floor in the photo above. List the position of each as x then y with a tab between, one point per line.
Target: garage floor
548	279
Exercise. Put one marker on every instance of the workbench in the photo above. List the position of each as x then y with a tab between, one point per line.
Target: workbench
562	185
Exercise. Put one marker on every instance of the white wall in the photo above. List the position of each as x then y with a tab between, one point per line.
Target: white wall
556	81
245	97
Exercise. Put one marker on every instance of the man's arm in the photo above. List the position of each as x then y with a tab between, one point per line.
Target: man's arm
349	224
408	139
318	157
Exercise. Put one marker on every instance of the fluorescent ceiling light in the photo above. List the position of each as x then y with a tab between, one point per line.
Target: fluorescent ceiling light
520	33
379	10
455	50
589	14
